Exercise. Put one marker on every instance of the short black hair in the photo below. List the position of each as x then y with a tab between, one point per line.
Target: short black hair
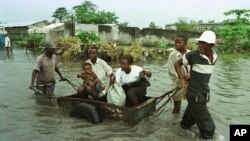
86	64
128	57
185	39
94	47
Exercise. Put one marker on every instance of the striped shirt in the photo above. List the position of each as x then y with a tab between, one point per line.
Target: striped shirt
201	70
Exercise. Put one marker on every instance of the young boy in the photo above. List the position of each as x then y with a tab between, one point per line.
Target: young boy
91	84
180	46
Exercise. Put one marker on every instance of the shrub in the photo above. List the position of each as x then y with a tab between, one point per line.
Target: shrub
71	47
86	36
245	45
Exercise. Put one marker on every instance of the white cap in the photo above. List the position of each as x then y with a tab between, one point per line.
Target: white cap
208	37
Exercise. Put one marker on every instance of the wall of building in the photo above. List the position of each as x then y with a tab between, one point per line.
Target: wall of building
116	34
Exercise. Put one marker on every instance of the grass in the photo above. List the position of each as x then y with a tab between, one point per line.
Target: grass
230	57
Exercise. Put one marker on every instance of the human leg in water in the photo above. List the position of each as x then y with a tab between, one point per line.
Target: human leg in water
177	107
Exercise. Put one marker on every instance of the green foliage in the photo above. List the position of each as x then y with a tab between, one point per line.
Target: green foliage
18	40
162	44
71	47
103	17
152	25
86	36
192	44
183	25
61	14
113	51
234	30
87	13
238	12
200	21
211	21
245	45
135	50
37	38
232	57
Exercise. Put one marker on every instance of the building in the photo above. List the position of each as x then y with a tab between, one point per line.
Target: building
200	27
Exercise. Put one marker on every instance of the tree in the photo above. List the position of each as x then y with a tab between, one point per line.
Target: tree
152	25
234	30
61	14
85	12
238	12
103	17
88	13
183	25
211	21
124	24
200	21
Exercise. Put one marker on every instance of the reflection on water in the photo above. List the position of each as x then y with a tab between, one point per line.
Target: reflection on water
24	117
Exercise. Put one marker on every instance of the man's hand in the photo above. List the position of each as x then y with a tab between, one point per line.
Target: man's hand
112	81
182	83
186	77
142	73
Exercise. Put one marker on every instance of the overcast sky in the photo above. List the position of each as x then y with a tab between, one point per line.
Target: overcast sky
136	12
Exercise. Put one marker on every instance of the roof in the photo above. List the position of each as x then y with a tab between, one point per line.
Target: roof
44	29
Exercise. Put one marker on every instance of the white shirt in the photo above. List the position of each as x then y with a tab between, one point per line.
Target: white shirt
101	69
172	58
123	78
7	42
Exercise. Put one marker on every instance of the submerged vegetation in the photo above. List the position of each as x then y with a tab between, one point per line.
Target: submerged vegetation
230	57
69	47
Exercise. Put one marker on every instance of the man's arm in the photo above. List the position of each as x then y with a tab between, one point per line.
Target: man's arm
144	73
171	69
177	66
148	73
33	77
59	73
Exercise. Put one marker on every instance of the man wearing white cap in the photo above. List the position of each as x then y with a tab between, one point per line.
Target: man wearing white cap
202	62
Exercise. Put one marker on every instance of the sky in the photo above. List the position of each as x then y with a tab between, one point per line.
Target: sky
138	13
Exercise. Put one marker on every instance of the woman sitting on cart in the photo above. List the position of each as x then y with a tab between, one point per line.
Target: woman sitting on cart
133	80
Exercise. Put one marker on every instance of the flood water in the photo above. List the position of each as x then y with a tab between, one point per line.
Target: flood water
26	117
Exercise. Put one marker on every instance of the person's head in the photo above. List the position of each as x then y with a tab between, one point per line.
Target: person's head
126	61
206	41
49	49
87	67
93	51
180	43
